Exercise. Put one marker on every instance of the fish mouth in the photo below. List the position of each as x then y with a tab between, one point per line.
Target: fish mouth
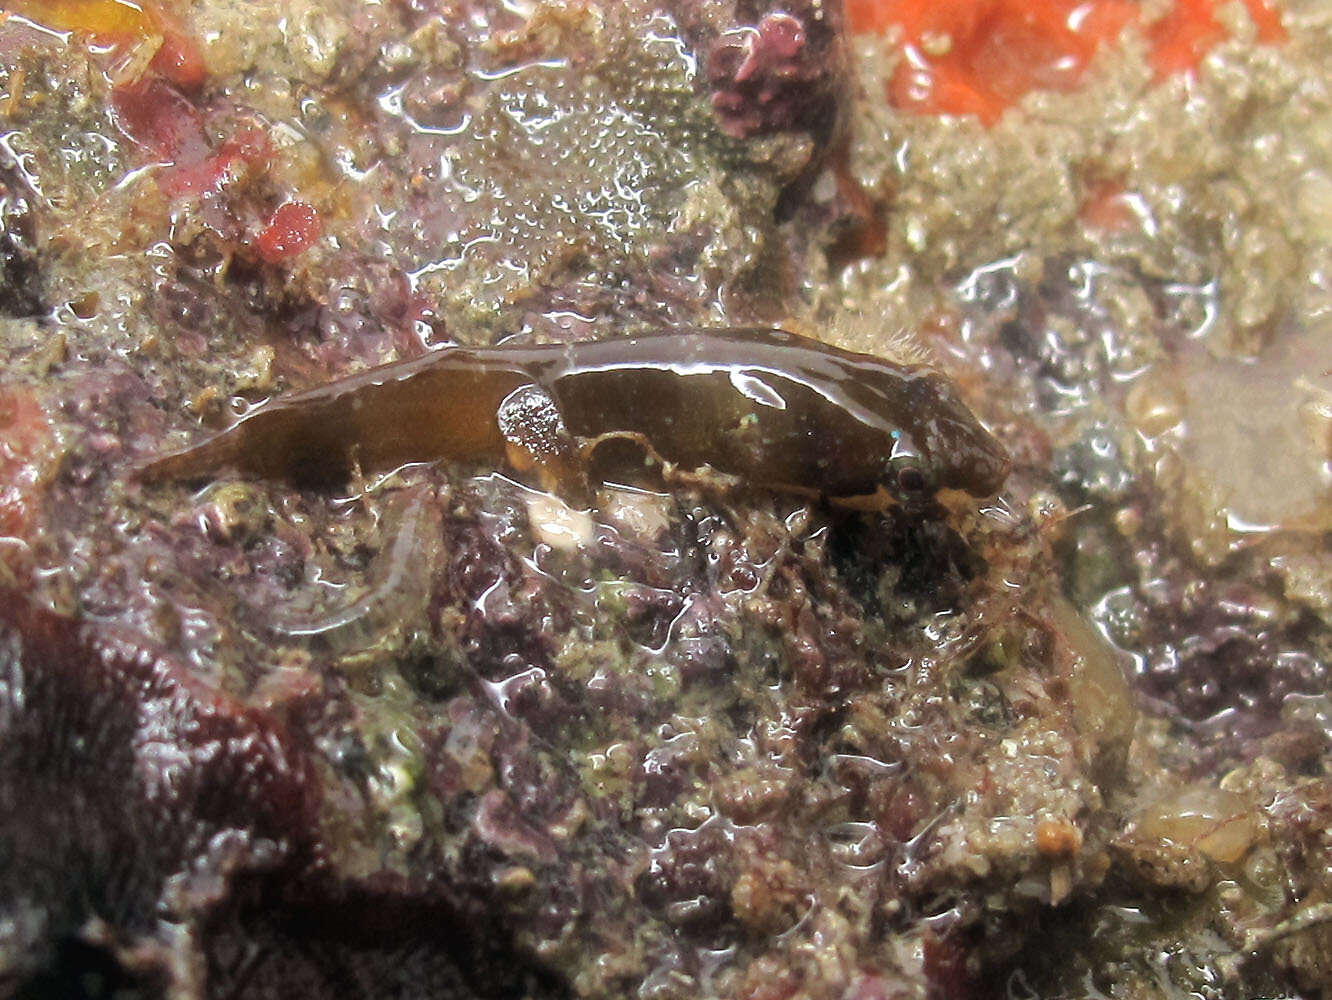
964	454
989	470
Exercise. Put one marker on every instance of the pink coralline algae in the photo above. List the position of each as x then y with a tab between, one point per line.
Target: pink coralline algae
776	75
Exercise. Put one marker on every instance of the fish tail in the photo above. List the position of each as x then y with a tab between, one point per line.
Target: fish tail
198	461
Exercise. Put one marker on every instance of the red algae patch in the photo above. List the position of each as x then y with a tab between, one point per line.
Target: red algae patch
292	229
979	57
1110	209
28	453
168	128
1184	36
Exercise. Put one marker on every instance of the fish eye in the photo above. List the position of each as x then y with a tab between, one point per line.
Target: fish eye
910	479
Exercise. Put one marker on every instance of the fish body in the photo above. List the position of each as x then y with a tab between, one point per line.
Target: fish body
774	409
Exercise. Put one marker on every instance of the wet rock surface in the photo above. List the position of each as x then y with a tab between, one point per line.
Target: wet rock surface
436	734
